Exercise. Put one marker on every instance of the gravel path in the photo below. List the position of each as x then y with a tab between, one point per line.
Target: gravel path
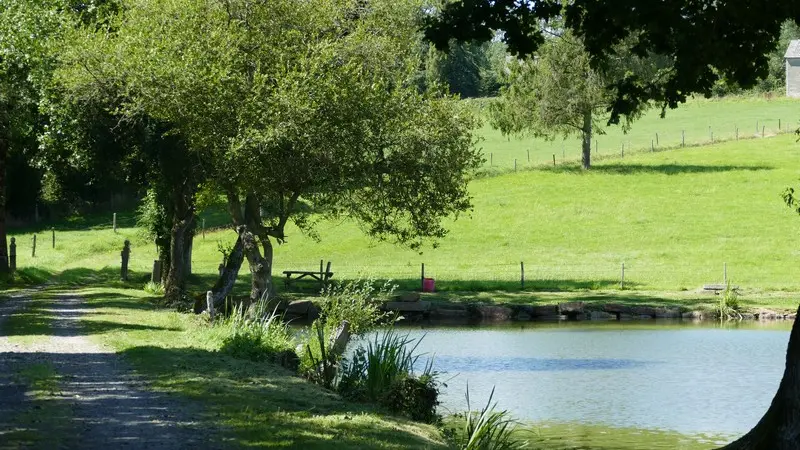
110	407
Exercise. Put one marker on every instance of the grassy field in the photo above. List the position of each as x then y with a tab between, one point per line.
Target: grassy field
693	123
676	219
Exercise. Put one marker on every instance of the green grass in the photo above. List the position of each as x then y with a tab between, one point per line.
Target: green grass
694	118
260	403
674	218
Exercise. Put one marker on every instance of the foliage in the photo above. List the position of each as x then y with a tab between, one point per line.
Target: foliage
358	302
728	306
469	69
486	429
383	372
257	334
683	31
154	288
317	362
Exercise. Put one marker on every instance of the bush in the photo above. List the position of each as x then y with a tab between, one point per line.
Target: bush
357	302
259	335
383	373
728	306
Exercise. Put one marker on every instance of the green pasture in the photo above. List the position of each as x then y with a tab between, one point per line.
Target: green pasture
693	123
676	219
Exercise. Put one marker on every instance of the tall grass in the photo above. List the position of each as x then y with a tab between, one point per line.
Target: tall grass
258	334
728	306
487	429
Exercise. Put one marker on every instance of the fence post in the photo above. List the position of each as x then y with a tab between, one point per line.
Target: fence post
114	223
33	249
652	149
595	147
422	278
12	254
554	159
53	229
491	159
683	138
515	164
204	229
125	254
737	133
762	130
529	155
656	138
522	274
725	273
779	124
622	278
622	152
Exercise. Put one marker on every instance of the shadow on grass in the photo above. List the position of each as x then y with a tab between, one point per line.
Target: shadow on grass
266	406
664	169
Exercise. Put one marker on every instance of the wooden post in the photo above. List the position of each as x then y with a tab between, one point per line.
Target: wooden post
204	229
529	155
12	254
622	278
756	127
522	274
725	273
126	255
156	275
515	164
491	159
595	147
779	124
422	278
652	148
622	152
320	268
656	138
210	305
114	223
54	236
683	138
33	249
554	159
762	130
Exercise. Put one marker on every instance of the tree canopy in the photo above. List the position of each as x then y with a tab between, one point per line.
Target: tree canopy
706	41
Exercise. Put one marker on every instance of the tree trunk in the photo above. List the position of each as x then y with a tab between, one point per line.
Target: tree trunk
586	154
779	429
260	266
187	251
4	268
224	285
182	225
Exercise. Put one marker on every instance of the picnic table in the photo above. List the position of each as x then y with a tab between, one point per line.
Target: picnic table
717	288
319	275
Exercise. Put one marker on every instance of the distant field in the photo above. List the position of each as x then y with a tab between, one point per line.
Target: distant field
698	118
674	218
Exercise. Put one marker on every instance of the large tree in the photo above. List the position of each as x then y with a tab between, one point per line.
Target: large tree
26	28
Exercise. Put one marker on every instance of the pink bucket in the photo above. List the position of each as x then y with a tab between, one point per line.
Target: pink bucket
428	285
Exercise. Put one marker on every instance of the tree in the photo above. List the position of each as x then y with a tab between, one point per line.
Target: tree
26	28
469	69
706	41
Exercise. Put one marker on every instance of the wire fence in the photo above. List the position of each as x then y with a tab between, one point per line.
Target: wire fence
537	153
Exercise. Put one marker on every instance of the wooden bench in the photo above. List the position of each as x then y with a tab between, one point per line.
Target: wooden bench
318	275
717	288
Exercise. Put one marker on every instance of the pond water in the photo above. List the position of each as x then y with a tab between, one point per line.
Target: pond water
693	379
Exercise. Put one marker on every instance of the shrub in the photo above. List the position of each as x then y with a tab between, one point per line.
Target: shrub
383	372
357	302
259	335
318	363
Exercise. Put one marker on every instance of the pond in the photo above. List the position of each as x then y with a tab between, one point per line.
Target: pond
708	380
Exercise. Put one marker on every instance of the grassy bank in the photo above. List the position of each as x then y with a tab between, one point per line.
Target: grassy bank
260	403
